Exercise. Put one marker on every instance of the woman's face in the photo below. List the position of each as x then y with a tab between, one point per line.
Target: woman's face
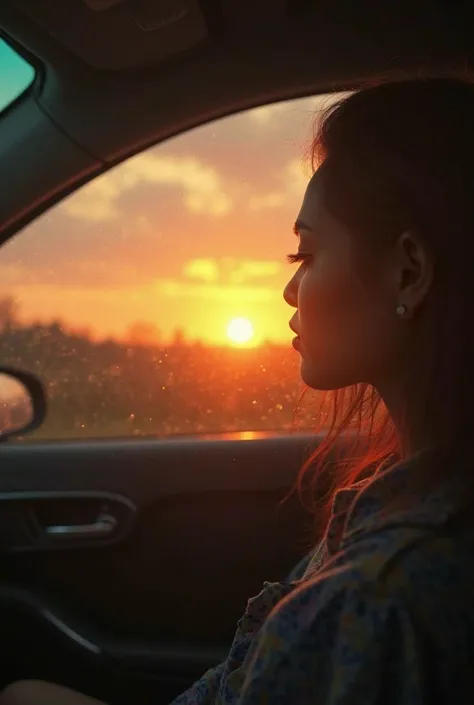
344	294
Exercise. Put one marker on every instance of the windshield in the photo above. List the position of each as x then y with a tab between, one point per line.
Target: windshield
16	75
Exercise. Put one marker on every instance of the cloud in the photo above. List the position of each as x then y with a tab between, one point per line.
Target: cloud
293	178
272	199
230	271
96	201
264	114
291	112
296	177
85	273
244	270
77	298
205	269
200	184
112	275
174	288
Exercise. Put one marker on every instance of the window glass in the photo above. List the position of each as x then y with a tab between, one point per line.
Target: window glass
150	301
16	75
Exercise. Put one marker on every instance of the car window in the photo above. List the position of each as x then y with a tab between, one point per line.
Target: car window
150	301
16	75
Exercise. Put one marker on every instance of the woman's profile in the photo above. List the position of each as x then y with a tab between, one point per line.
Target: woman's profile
383	301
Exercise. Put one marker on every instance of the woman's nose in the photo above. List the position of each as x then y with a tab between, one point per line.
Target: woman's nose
290	293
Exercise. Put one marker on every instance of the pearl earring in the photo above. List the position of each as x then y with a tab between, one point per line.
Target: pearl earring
402	310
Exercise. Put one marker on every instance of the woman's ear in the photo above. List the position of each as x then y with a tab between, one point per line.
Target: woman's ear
413	271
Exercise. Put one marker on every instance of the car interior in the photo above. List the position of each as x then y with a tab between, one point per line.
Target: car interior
126	562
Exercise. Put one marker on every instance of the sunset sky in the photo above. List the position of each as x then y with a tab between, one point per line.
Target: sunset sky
190	234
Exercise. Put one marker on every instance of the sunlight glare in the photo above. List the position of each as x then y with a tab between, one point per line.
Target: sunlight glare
240	330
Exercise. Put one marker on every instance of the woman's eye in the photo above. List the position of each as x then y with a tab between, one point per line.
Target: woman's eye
298	257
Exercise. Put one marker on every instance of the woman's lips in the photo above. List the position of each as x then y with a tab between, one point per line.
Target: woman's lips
296	342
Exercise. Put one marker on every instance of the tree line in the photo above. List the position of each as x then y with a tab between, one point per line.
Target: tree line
141	387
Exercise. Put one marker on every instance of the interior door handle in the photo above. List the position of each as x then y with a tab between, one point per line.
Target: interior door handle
104	525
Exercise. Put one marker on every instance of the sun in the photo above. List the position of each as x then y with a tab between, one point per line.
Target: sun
240	330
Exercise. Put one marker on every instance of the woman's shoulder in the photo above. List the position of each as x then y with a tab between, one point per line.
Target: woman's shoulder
403	561
394	562
377	600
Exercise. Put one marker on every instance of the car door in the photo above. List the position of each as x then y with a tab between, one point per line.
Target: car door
154	500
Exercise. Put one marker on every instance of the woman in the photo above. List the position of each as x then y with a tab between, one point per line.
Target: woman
384	299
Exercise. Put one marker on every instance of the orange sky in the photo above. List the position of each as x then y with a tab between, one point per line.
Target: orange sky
190	234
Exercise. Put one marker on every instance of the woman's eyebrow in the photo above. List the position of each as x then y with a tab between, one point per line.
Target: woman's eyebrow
299	225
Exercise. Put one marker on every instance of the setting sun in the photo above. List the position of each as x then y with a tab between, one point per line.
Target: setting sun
240	330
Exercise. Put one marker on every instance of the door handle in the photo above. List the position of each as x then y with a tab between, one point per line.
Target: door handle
104	525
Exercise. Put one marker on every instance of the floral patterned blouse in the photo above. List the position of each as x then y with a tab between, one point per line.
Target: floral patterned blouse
381	612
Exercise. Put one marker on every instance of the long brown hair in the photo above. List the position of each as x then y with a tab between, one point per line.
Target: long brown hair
394	157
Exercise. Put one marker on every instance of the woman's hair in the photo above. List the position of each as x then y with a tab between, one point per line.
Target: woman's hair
395	157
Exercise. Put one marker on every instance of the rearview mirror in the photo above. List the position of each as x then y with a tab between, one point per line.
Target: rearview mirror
22	403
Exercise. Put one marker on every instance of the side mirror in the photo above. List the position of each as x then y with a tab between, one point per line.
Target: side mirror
22	403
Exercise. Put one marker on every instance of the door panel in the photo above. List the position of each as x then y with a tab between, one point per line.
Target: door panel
200	526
